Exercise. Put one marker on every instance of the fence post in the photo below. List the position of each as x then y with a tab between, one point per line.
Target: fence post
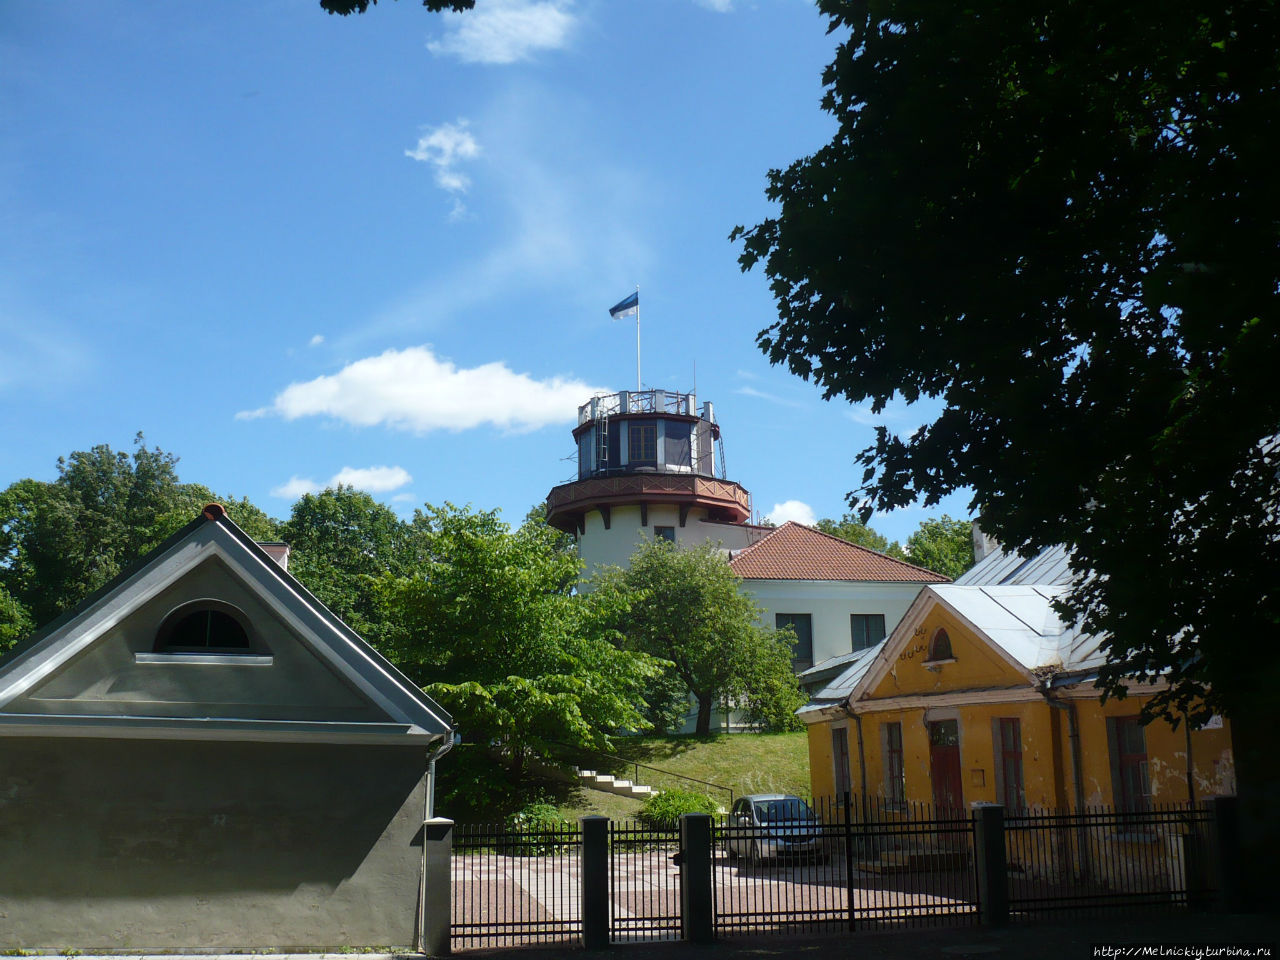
1227	868
437	849
595	882
697	920
993	871
851	898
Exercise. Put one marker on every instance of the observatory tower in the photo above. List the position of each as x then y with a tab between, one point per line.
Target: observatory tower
650	465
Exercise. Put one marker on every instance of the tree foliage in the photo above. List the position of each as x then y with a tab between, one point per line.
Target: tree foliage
489	623
1063	221
850	528
686	608
942	545
62	540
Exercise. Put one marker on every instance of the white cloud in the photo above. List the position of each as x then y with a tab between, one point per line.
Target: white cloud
372	479
719	6
505	31
413	389
316	340
445	147
369	479
771	398
295	487
796	510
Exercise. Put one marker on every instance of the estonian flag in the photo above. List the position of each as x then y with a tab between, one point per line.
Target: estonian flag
629	306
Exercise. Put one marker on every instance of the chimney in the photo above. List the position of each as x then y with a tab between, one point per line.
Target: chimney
983	545
277	551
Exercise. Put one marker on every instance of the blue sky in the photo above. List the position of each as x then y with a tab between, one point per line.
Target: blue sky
294	248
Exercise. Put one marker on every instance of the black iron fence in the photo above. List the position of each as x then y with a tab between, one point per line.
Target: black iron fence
845	866
1077	863
515	886
851	865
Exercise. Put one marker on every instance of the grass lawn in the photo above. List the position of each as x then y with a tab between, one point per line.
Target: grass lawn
743	762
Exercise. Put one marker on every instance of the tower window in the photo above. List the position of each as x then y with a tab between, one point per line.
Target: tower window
642	443
205	626
665	533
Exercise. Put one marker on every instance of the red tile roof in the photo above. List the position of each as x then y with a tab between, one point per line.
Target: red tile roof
796	552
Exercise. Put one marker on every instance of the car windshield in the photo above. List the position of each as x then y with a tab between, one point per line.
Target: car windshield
785	809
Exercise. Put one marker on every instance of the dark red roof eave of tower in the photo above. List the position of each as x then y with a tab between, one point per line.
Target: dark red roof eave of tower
569	503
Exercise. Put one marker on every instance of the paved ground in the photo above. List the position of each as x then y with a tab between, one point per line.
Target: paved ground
1076	941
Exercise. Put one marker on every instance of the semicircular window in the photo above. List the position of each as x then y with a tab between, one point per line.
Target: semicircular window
940	646
205	627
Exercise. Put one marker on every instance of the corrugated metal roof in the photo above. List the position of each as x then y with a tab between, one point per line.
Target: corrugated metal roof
1049	567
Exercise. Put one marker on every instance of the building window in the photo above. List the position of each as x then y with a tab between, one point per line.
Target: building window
1008	750
940	646
665	533
642	443
205	626
867	629
895	784
1130	779
802	649
840	761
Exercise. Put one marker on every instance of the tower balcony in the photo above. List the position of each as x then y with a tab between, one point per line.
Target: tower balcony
569	503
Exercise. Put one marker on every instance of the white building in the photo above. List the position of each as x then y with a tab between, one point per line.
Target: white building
651	464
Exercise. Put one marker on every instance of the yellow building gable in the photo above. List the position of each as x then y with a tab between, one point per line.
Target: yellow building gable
919	667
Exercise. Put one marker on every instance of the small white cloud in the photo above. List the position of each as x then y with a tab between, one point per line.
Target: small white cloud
771	398
796	510
403	498
444	147
412	389
296	487
505	31
719	6
316	340
369	479
372	479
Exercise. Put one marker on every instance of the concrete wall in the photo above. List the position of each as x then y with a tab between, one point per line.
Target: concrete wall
613	547
158	845
830	602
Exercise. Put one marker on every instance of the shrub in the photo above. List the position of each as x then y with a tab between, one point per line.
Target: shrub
536	830
664	809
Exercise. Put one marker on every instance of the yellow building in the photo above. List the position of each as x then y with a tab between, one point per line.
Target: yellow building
981	694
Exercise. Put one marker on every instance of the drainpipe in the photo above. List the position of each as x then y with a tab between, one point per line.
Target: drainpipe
862	764
428	813
1077	772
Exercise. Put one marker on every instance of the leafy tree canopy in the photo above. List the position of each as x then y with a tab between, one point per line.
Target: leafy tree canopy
687	609
942	545
489	622
60	541
850	528
1063	221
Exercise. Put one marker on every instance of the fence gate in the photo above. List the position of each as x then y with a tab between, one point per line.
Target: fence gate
644	883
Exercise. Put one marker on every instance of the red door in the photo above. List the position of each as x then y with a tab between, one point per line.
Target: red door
944	768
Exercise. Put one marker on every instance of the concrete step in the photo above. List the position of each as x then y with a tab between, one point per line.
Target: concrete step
615	785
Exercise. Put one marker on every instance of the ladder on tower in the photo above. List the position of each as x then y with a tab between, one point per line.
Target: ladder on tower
602	442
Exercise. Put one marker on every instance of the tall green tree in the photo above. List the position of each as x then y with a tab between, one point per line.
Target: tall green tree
489	623
1062	220
687	609
341	541
942	545
60	541
850	528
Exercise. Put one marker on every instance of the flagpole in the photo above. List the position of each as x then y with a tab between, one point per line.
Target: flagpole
637	338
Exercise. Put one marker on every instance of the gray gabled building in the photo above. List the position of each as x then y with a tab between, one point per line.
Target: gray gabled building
200	755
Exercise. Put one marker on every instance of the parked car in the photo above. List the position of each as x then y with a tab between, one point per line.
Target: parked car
772	826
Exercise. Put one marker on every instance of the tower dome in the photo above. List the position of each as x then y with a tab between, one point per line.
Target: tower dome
650	464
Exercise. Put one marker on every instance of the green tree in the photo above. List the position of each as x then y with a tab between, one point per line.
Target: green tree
15	621
850	528
491	626
942	545
341	541
60	541
687	609
1063	221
